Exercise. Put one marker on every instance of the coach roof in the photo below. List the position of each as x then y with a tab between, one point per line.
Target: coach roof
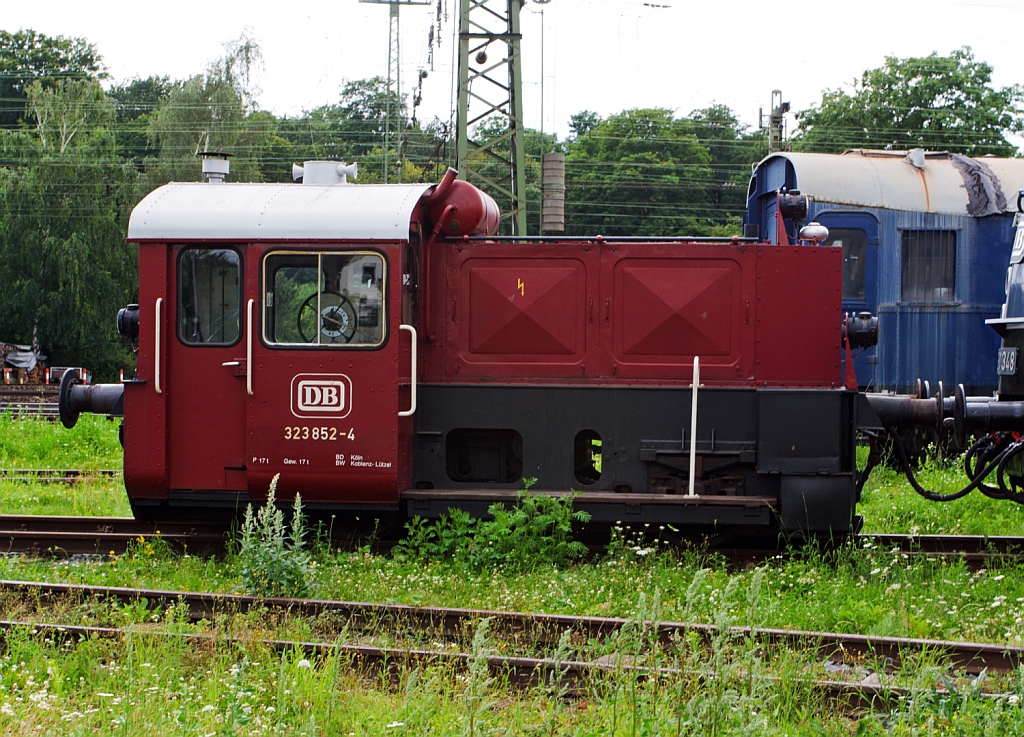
919	181
232	211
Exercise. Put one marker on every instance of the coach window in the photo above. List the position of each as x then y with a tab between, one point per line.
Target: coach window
929	265
209	295
854	243
324	299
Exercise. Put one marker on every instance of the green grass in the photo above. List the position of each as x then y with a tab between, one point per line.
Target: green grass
34	443
889	504
95	497
865	591
150	686
143	684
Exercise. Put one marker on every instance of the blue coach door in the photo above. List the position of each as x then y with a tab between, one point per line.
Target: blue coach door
857	233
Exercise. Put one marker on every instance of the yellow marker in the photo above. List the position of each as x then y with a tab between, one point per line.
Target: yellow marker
522	287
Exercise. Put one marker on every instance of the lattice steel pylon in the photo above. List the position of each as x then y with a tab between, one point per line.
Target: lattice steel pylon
493	88
393	116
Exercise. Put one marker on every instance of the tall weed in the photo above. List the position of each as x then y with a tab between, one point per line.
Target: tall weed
273	560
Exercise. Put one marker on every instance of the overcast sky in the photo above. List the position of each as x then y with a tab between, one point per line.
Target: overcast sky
598	54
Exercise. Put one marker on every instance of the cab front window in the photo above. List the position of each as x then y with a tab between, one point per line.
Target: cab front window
326	299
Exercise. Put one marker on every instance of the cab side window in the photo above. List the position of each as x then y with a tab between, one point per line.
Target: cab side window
209	296
324	299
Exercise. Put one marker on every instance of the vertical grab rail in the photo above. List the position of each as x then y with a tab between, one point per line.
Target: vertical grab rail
412	373
156	351
248	348
693	423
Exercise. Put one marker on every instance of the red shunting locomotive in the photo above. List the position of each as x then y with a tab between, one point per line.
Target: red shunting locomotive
383	352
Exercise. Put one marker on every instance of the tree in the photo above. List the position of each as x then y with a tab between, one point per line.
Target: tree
732	150
64	265
214	111
27	57
639	172
134	103
932	102
582	123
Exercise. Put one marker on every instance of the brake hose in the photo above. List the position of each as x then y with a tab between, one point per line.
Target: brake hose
931	495
979	452
1015	448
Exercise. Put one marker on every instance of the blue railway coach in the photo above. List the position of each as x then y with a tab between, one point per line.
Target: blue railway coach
926	237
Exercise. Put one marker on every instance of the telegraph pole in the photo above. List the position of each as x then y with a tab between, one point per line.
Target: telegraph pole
491	83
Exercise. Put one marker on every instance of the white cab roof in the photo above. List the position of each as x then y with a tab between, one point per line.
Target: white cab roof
233	211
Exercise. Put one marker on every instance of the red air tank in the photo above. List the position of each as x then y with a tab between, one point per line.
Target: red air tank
458	208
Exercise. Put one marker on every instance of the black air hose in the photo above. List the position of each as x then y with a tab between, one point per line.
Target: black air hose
934	496
1014	449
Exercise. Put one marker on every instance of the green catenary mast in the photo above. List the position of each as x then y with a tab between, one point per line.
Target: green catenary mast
495	87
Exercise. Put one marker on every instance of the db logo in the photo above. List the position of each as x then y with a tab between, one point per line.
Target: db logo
321	395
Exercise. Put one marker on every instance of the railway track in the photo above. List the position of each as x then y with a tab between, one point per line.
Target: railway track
544	629
44	410
57	535
57	475
573	676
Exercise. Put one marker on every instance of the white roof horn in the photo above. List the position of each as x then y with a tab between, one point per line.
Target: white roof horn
324	172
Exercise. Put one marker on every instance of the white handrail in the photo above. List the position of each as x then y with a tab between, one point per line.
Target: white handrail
248	348
412	375
693	422
156	351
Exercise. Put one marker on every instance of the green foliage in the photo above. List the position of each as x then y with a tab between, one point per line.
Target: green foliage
635	173
27	57
535	531
63	261
732	150
940	103
273	561
215	111
135	102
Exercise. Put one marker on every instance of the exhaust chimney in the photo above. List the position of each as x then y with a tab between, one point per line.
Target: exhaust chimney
215	166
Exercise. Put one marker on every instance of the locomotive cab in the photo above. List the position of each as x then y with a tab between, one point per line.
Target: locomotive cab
277	335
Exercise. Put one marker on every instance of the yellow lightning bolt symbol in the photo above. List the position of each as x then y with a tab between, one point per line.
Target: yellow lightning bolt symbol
521	287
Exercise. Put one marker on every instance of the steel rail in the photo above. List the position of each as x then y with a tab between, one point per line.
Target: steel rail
57	475
969	657
59	536
521	672
44	410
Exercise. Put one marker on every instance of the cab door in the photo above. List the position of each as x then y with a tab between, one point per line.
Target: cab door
322	388
203	381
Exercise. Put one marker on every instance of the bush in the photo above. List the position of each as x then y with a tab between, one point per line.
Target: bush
273	560
536	530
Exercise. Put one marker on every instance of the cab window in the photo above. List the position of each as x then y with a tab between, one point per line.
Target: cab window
326	299
855	250
209	295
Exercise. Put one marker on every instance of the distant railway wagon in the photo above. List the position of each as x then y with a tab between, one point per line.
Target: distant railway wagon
926	237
